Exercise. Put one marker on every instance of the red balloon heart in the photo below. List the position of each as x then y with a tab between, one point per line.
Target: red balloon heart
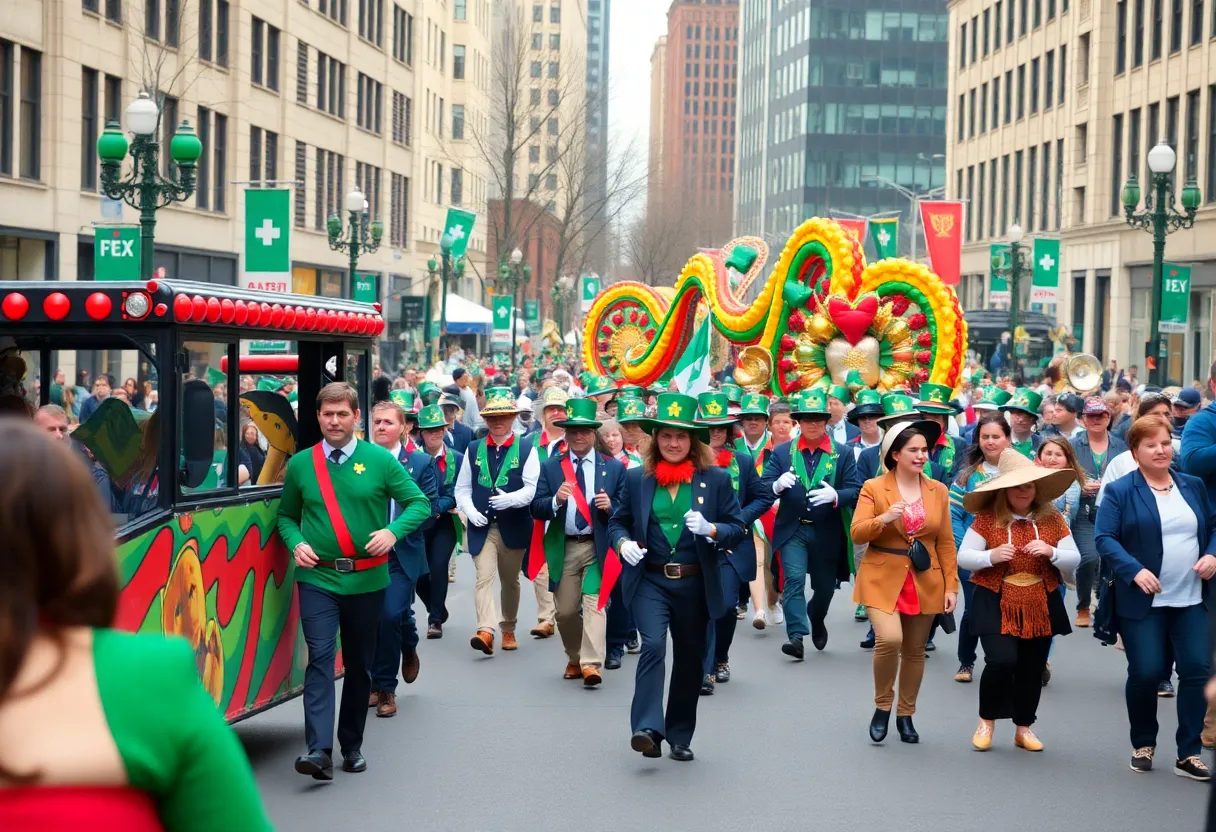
853	319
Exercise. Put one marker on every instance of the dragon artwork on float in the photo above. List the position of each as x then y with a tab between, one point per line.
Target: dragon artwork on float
822	317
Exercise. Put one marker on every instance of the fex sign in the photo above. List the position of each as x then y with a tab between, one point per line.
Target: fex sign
116	253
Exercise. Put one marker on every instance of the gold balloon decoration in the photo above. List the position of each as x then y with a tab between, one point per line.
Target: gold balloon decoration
897	330
821	329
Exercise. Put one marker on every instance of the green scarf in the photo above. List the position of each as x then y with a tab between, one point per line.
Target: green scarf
509	463
946	458
823	470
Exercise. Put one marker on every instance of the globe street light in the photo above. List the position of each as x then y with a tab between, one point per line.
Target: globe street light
433	266
361	236
1159	217
1013	270
510	275
145	189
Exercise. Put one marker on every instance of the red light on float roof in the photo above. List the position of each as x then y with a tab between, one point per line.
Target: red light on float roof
276	316
254	314
183	308
301	318
152	286
377	306
240	313
368	323
227	311
198	309
266	311
160	310
289	317
98	306
213	310
56	306
380	326
15	306
310	318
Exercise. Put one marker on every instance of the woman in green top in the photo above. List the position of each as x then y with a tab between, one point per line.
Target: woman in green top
140	745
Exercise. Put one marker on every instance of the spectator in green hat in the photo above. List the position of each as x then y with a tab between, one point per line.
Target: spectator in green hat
935	406
631	413
842	429
444	535
459	435
1022	411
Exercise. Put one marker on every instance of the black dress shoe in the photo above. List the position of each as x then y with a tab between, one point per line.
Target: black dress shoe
680	753
903	724
648	742
353	762
316	764
819	635
434	630
878	724
613	660
867	643
632	646
793	648
707	686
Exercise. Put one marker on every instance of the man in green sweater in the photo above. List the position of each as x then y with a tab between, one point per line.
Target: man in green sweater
334	518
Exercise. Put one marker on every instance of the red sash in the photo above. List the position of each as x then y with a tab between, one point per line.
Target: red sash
346	544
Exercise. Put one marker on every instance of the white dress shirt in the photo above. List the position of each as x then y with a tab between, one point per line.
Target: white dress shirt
464	483
348	450
587	463
839	431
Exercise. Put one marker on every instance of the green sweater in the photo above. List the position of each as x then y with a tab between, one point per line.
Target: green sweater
364	484
172	740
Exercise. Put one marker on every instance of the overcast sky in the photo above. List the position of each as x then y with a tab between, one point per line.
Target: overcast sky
635	25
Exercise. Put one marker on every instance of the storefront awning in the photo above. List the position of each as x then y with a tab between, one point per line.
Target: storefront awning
467	318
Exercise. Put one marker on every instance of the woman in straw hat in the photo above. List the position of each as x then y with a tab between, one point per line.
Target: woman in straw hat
899	506
1019	548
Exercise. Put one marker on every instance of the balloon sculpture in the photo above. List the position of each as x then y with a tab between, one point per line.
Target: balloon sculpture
823	317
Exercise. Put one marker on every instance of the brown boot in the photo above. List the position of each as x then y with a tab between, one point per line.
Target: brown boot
543	630
387	706
410	665
374	699
1082	618
509	642
484	641
572	671
591	677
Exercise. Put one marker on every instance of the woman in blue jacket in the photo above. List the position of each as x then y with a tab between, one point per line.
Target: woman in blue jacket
1167	521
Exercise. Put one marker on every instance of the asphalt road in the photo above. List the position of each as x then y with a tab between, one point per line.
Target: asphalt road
503	743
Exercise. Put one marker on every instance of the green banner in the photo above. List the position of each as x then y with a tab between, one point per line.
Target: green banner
365	288
532	317
1046	280
591	288
502	308
116	252
459	224
267	347
267	233
1175	297
998	284
885	234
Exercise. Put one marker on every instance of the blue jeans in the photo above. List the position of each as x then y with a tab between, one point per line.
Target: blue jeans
967	643
398	631
323	615
801	556
619	625
1149	642
433	584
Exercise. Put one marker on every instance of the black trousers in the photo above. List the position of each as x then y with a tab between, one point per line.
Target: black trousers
1012	681
432	586
323	614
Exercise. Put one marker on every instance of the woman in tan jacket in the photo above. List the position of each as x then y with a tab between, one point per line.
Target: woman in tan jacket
894	509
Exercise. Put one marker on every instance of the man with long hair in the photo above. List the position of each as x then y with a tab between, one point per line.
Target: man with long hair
678	518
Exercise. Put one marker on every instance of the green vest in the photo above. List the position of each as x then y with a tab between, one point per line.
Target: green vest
670	514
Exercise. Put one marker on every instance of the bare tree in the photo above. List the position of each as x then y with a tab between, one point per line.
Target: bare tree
164	61
656	246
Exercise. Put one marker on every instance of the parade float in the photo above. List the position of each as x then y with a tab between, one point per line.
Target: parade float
822	317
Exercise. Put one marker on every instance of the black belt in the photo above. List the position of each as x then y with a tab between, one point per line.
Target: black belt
675	571
580	538
887	551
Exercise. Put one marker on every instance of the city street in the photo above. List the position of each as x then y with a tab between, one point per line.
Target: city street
504	743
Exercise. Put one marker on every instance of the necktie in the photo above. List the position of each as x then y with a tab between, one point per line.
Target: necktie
335	456
441	461
579	522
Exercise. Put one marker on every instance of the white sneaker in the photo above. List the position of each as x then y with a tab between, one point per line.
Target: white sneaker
777	616
758	620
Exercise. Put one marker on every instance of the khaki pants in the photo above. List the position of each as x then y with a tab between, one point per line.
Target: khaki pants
496	559
1208	735
899	648
545	609
582	635
762	588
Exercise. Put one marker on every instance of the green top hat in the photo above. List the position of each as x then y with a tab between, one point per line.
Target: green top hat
632	390
935	398
599	385
713	409
813	402
586	379
755	404
734	393
580	413
1026	400
898	407
866	403
992	399
430	417
676	410
499	402
429	391
404	399
630	409
839	392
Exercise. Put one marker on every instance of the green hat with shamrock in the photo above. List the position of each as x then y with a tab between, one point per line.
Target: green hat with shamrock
992	398
813	402
755	404
840	393
898	407
676	410
580	413
630	409
431	416
404	399
935	398
599	386
734	393
1025	400
713	409
867	402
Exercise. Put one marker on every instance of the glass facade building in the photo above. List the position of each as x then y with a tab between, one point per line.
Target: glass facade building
831	95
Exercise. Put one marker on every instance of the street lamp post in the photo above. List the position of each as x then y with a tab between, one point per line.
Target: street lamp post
1159	217
444	269
1013	271
362	237
145	189
510	275
563	290
913	198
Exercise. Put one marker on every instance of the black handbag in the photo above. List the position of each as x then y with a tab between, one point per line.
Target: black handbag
919	555
1105	622
946	621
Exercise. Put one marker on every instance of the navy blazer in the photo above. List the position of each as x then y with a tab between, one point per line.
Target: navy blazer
458	437
868	464
411	549
829	525
1128	522
755	497
609	477
631	521
445	500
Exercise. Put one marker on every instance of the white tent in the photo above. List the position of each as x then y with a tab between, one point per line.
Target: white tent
468	318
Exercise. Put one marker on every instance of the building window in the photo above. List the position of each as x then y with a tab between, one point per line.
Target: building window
329	194
996	25
1025	18
984	108
553	69
536	69
458	121
555	41
1032	168
1017	186
88	129
1196	22
1049	80
331	85
213	163
1009	94
1191	171
1211	189
152	19
1034	86
457	193
996	102
299	193
458	52
1116	167
1133	141
1063	70
1005	185
1120	36
168	124
555	13
371	21
1176	26
1009	10
962	46
31	113
553	131
1138	35
369	97
335	10
399	210
263	156
367	180
1045	191
264	55
971	115
460	9
403	35
1021	91
534	154
538	13
402	113
173	23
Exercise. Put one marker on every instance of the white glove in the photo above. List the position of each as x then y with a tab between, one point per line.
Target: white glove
824	495
502	502
785	481
631	553
696	523
477	518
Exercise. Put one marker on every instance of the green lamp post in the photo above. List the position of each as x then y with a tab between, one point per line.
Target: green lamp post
443	268
1159	217
1013	271
510	275
563	291
362	236
145	189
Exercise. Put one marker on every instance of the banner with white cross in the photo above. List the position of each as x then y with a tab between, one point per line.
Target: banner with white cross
267	240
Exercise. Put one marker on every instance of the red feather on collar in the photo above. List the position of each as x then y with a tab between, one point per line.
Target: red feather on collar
666	474
725	457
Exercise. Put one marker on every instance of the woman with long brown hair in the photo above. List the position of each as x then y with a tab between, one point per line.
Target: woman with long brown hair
142	746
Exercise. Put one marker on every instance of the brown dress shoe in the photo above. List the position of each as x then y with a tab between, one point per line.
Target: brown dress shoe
434	631
484	641
572	671
387	706
373	699
543	630
410	665
509	642
1083	618
591	677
